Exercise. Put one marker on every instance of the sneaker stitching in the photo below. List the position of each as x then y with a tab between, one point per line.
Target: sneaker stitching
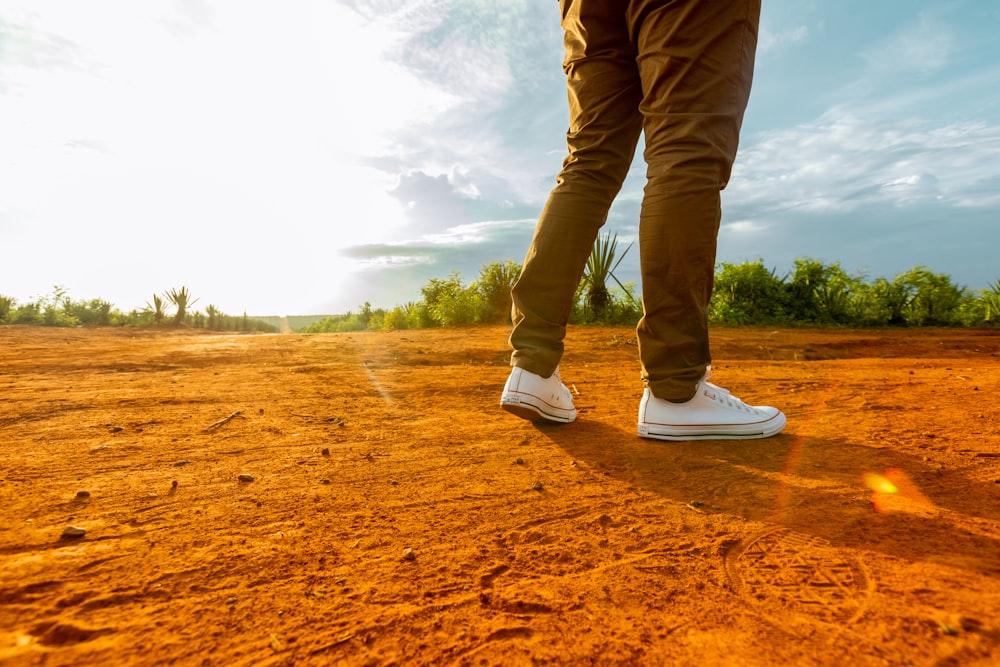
539	398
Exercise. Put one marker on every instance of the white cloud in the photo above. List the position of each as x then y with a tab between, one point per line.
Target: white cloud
473	233
769	41
279	149
501	62
391	261
842	162
241	131
743	227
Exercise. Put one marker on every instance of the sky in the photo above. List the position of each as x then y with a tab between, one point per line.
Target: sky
307	156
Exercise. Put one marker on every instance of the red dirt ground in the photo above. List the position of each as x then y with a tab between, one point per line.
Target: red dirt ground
397	516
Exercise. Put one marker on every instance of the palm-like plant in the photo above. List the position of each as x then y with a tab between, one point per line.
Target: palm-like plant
601	265
213	316
181	299
991	298
156	309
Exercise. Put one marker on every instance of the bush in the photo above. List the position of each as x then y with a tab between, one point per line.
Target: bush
494	284
747	293
621	308
6	306
989	300
95	312
449	303
820	294
933	299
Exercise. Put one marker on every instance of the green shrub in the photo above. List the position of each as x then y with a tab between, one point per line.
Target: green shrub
495	281
933	299
747	293
600	268
989	299
449	303
7	304
621	308
820	293
96	312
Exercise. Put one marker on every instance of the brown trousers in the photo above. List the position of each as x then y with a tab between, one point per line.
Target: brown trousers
678	71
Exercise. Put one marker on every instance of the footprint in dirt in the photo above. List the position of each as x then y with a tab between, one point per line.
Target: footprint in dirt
797	580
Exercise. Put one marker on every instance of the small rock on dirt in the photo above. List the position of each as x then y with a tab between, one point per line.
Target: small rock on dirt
409	554
245	477
73	532
83	494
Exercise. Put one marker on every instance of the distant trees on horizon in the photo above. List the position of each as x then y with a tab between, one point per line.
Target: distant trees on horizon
58	309
811	294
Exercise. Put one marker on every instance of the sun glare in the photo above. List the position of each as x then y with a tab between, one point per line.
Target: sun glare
896	492
878	483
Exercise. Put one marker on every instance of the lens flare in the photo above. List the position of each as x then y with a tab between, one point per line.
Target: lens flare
878	483
896	492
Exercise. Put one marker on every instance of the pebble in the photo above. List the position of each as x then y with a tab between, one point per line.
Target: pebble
324	481
409	554
537	486
326	451
83	494
73	532
245	478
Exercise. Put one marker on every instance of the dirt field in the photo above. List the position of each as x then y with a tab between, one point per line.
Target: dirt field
395	515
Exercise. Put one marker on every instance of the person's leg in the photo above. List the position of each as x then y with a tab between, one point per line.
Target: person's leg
695	61
604	94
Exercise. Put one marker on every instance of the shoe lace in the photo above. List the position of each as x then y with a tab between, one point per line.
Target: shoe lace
562	385
723	395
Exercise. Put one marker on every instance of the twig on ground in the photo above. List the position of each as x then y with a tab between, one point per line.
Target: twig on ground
222	422
691	505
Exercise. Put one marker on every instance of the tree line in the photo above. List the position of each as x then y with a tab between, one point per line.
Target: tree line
811	294
171	309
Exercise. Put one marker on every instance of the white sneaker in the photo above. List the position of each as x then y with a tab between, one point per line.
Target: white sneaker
713	414
535	398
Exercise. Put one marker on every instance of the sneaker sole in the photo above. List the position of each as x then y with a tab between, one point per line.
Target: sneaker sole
680	433
516	406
